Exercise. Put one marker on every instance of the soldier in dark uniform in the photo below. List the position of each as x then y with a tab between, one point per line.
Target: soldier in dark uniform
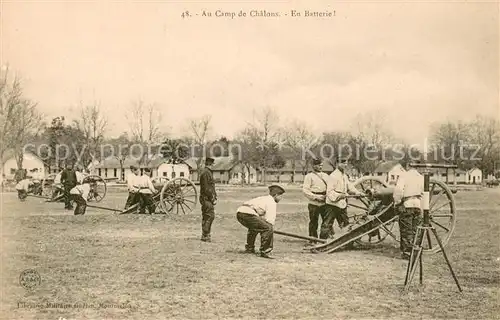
69	181
208	199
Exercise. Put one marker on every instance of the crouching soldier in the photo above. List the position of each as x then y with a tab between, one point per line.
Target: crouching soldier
146	191
258	215
22	188
79	194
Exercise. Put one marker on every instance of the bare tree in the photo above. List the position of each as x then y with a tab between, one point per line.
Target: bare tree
27	124
92	123
10	98
200	129
19	118
145	122
373	127
266	128
449	138
300	139
485	137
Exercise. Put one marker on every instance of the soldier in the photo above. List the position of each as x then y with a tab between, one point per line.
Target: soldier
58	187
337	189
79	194
208	199
69	181
79	175
22	188
407	195
258	215
146	191
133	196
314	188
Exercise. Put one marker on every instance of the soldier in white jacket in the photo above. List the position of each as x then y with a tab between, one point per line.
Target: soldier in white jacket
133	189
79	194
339	187
258	215
22	188
314	189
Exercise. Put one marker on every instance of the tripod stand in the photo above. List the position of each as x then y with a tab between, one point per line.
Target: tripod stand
424	232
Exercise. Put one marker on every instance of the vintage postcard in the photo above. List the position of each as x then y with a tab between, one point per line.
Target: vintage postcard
249	159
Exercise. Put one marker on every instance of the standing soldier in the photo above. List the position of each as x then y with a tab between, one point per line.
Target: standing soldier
69	181
314	188
337	190
208	199
408	194
146	191
132	187
258	215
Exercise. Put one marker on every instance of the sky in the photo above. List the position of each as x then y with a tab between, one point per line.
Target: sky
415	61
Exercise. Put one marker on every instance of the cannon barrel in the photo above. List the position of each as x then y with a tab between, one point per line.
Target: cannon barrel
383	194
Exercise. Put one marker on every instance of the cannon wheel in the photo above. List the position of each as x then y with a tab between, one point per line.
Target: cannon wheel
98	192
361	208
442	213
178	195
48	185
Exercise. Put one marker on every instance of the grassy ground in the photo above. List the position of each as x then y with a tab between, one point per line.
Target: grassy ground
110	266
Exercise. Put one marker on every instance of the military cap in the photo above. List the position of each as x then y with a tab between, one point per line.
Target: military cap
132	167
209	160
317	162
276	189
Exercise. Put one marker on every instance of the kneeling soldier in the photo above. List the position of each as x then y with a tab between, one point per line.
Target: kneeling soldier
22	188
79	194
258	215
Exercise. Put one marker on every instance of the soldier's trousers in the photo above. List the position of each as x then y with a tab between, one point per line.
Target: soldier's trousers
81	204
67	196
409	219
146	202
133	198
22	194
207	216
314	213
332	213
256	225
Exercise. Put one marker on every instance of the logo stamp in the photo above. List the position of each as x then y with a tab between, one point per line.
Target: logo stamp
29	279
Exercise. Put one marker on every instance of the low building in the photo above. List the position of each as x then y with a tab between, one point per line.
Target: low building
227	170
389	171
474	176
31	162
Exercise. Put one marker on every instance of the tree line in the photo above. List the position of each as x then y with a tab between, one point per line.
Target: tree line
265	142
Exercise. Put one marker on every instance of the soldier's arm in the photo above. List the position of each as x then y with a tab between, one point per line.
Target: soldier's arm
398	190
306	188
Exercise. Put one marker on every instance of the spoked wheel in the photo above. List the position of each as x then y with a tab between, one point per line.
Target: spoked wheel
442	214
178	195
98	188
359	209
48	186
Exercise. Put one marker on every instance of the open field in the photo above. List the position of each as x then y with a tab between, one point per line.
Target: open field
142	267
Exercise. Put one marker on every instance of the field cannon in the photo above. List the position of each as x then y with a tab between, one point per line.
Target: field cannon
178	195
373	218
54	191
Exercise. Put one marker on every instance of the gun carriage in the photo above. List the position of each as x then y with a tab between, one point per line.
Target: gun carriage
178	195
54	191
374	218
